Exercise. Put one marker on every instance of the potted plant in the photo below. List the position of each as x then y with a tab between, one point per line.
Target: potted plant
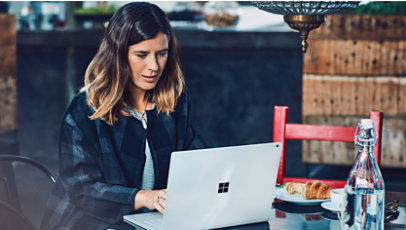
98	16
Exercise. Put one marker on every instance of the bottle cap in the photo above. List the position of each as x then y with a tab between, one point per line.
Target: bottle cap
367	123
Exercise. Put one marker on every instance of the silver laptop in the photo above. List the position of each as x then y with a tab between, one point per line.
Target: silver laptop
218	187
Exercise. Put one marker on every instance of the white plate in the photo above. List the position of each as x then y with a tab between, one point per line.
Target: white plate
330	206
282	194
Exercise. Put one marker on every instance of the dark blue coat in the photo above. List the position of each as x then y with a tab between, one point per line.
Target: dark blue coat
101	166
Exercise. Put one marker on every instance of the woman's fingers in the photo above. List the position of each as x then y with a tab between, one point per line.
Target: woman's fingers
159	207
161	199
162	193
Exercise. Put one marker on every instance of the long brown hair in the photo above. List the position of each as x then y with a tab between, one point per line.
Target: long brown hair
108	74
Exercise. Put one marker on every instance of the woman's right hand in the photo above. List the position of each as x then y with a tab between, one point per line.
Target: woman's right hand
151	199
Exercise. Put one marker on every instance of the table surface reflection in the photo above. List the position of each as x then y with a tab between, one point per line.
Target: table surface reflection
288	216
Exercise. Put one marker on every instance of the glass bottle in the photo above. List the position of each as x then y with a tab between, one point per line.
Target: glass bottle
365	189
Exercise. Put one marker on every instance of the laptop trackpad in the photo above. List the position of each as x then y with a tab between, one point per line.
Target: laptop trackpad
150	220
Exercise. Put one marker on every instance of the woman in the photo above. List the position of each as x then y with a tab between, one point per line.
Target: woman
119	131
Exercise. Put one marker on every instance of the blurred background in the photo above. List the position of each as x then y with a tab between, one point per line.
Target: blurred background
238	61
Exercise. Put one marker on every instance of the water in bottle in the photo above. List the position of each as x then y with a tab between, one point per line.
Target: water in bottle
365	189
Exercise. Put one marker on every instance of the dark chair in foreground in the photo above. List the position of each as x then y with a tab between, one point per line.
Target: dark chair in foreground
282	131
11	216
13	219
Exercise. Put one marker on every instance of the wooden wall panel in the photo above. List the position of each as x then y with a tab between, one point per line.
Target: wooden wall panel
340	153
355	57
349	95
393	142
354	64
8	103
8	60
8	73
8	30
365	27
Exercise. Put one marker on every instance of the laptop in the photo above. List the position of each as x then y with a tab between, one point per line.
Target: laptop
216	187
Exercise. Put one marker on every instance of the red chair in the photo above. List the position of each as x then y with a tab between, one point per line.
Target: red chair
282	130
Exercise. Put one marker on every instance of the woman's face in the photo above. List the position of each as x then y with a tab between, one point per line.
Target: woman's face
147	61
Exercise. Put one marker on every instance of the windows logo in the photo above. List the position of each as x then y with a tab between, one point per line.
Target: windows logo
223	187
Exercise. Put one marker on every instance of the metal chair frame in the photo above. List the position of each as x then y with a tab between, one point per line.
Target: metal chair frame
14	210
12	158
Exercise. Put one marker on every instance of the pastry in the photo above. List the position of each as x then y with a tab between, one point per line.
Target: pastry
310	190
316	190
294	188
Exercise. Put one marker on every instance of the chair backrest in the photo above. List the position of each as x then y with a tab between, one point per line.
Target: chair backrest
282	131
11	216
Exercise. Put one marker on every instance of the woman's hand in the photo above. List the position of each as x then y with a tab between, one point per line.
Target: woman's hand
151	199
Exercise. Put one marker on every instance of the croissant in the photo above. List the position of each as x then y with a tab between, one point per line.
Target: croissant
316	190
310	190
294	188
